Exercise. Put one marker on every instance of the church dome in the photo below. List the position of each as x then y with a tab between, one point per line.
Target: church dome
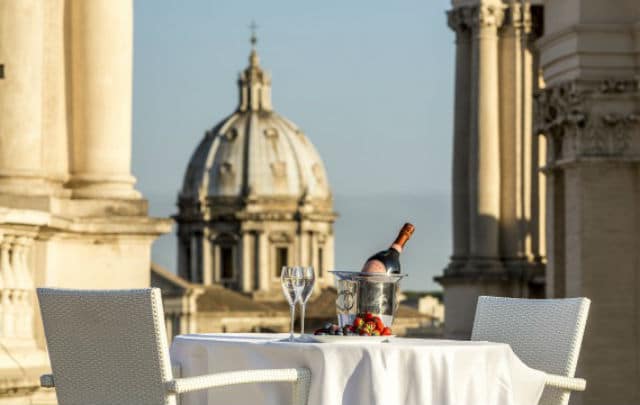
255	152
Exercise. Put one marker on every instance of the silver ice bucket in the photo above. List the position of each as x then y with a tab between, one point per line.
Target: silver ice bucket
376	293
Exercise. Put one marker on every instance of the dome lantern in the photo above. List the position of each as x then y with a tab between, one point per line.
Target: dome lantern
254	84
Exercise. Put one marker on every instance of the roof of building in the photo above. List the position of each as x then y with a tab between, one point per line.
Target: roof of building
219	299
255	152
169	283
210	298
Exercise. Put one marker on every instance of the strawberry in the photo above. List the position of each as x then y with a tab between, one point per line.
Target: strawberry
369	326
368	316
379	323
375	333
358	322
386	331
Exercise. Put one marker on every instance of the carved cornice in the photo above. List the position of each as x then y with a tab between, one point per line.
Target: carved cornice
589	119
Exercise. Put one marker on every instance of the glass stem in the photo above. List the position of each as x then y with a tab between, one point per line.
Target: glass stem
293	314
304	304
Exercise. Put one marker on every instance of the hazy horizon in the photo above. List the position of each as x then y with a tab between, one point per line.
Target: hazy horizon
370	84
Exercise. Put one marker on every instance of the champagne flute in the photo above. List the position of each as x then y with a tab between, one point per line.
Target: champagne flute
290	278
308	281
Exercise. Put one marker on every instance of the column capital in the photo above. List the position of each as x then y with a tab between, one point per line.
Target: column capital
459	19
572	117
518	16
487	16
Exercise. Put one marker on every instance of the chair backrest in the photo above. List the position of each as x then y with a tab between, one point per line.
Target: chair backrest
546	334
107	346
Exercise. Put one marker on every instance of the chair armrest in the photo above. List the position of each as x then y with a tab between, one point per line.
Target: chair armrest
566	383
46	381
182	385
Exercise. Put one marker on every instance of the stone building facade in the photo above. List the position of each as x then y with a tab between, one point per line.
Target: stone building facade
581	130
255	197
69	213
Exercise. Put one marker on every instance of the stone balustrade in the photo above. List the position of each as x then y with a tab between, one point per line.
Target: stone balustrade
16	286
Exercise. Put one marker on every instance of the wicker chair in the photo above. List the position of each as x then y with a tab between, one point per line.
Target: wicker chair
110	347
546	334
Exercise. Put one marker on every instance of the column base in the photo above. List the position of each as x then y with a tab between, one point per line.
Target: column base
94	186
26	184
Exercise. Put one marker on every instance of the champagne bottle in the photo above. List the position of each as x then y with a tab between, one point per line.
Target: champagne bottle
388	261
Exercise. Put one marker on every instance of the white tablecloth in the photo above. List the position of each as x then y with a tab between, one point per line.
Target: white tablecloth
402	372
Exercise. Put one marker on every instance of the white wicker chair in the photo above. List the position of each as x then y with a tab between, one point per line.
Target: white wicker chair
110	347
545	333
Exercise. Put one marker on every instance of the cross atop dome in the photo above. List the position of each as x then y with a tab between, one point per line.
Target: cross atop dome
254	39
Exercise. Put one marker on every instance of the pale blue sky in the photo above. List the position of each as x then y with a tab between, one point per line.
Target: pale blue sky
370	83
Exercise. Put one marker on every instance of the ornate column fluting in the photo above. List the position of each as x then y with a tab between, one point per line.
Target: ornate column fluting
484	168
101	74
459	20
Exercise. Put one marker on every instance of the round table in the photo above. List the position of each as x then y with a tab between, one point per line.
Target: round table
402	371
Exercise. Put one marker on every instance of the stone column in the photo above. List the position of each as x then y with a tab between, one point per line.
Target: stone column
263	261
329	258
246	269
21	52
458	21
512	143
313	254
485	138
303	246
55	96
101	71
207	258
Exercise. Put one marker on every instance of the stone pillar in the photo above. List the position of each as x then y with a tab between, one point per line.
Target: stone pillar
485	139
329	257
313	247
513	144
21	52
101	74
458	21
246	268
207	258
263	261
55	92
303	246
